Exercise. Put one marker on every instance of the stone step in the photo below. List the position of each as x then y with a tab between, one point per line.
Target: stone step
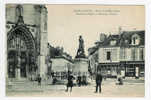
17	81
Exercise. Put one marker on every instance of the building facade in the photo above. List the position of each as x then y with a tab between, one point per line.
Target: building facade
26	29
61	66
61	62
120	54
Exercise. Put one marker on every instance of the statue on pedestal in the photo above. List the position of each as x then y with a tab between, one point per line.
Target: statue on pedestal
80	52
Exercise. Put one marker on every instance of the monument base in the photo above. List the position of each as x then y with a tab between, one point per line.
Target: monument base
81	56
81	67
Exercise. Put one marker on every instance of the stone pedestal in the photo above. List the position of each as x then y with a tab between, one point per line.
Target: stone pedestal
81	66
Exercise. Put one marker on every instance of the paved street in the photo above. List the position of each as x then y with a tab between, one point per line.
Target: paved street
131	88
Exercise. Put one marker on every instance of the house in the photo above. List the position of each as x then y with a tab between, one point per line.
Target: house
61	62
121	53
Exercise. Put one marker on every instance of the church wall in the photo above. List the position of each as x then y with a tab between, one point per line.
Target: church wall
35	19
10	13
43	41
31	16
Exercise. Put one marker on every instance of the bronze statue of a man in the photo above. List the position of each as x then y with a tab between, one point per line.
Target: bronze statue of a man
80	52
81	43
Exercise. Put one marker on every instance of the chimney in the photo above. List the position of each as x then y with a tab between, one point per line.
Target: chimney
102	37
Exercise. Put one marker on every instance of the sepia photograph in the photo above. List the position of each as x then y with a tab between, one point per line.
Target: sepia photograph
75	50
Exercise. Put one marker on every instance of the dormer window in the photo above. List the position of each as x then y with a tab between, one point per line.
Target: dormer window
113	42
135	39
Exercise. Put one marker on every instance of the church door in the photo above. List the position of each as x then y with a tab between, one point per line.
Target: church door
11	64
23	64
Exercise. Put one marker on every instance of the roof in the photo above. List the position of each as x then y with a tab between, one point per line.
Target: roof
58	53
110	38
92	49
122	40
62	57
126	35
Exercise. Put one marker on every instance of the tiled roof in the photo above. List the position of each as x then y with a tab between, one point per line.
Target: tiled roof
109	39
92	50
123	37
120	40
126	35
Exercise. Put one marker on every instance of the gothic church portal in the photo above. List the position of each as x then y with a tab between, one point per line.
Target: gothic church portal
26	28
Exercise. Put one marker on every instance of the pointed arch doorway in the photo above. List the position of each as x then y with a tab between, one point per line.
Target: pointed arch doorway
20	53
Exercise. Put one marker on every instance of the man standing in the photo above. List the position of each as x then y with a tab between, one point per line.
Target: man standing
79	80
70	81
39	79
98	81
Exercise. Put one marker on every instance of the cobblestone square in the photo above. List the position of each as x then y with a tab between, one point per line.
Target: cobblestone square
131	88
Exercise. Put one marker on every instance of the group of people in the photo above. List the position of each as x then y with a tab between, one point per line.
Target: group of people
71	78
98	82
81	80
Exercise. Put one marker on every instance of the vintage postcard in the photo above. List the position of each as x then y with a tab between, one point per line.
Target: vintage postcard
75	50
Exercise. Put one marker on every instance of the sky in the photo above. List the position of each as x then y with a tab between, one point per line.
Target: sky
67	22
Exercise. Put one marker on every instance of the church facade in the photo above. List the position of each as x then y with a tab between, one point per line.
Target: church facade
26	29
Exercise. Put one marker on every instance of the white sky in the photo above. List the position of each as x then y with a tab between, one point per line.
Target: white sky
64	26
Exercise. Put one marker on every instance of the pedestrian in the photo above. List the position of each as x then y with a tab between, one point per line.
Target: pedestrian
98	81
119	80
54	80
79	80
39	79
70	82
84	80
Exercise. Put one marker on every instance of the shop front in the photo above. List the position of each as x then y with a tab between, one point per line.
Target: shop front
134	69
109	70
